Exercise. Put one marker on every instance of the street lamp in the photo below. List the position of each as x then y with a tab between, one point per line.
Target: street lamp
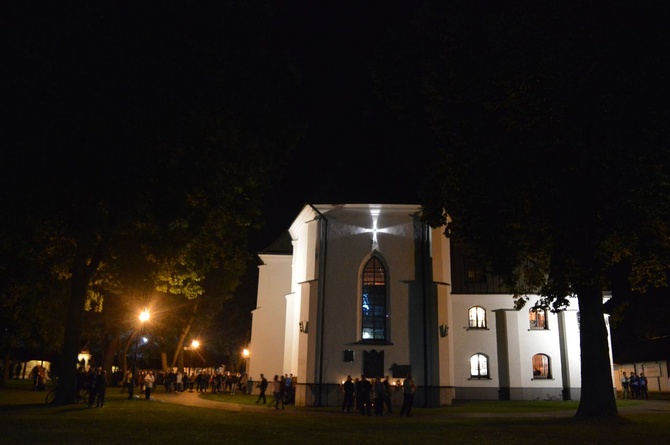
245	354
144	316
194	345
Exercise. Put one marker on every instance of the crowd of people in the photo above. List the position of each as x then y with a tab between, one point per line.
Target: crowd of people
361	394
177	382
633	386
368	396
283	389
95	382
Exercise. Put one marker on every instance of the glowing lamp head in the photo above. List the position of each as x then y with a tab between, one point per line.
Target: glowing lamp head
144	315
195	344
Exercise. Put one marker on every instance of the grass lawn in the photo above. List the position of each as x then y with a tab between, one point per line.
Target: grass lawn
25	418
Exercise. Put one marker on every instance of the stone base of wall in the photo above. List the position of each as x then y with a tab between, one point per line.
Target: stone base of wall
331	395
434	396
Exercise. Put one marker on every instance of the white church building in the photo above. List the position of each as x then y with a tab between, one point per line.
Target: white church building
368	289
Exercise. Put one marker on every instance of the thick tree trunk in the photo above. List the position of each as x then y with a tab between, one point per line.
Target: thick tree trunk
598	397
67	373
180	344
83	269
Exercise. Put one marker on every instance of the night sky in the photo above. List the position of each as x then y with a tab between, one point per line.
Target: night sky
356	150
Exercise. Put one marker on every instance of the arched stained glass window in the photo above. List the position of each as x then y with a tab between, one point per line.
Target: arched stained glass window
373	302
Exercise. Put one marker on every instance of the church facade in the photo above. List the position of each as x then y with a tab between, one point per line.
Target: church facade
363	289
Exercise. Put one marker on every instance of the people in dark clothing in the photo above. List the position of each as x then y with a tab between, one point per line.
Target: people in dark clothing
625	387
644	394
408	390
363	392
348	388
101	388
262	386
278	391
387	395
92	385
129	382
380	390
634	385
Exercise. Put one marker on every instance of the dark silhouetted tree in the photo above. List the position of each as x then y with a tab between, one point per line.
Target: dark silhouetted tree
555	160
141	136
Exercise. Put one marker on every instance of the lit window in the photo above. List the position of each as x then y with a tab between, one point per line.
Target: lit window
373	302
538	318
479	366
541	367
477	318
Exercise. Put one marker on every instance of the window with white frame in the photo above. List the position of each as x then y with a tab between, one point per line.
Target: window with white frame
538	318
477	318
541	366
479	366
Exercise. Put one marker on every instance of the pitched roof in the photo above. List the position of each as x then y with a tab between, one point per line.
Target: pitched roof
281	246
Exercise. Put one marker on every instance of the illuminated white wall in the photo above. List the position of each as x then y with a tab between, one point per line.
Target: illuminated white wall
266	351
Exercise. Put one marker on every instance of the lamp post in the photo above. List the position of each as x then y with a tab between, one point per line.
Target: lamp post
194	345
144	316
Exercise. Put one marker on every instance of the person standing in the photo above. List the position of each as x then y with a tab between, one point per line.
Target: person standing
262	386
363	393
278	391
634	384
128	381
179	381
243	383
148	384
348	388
380	390
643	386
92	385
625	390
408	390
288	383
387	395
102	388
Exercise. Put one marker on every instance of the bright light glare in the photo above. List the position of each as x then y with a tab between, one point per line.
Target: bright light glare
195	344
245	353
144	315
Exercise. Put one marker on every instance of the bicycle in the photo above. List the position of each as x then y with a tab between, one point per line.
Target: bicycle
81	394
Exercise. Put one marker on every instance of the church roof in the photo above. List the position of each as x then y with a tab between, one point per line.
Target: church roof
281	246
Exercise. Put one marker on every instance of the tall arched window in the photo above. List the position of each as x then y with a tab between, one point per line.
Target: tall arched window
477	318
541	367
373	301
538	318
479	366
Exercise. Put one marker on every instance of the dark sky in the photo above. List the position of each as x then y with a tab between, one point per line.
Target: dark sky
356	149
108	70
